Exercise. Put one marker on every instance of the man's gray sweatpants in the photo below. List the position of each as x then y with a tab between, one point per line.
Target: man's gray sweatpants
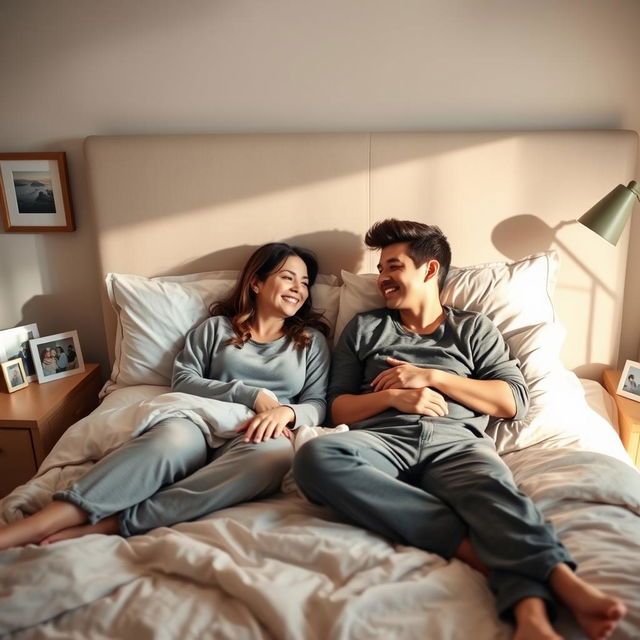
169	474
431	486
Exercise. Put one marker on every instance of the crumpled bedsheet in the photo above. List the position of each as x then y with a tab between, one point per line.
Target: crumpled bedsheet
282	568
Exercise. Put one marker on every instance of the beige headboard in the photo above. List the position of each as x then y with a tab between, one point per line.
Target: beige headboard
190	203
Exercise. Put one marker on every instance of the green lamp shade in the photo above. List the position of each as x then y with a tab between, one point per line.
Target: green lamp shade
608	216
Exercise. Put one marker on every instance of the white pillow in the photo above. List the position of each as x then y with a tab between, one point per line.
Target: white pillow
513	295
552	388
154	316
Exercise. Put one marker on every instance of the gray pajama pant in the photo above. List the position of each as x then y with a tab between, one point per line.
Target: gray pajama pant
431	486
169	474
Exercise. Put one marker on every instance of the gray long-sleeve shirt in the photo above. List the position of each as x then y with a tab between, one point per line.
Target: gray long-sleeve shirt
466	344
209	367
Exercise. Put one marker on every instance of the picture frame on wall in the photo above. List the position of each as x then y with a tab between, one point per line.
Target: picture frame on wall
14	343
57	356
629	385
34	193
14	375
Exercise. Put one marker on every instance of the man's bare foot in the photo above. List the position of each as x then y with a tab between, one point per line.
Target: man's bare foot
532	621
107	526
467	553
597	613
55	516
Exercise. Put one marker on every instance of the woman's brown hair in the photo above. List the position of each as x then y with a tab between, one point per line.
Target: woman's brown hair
240	305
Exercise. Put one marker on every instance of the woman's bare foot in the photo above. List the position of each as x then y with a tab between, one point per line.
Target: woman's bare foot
597	613
532	621
55	516
467	553
107	526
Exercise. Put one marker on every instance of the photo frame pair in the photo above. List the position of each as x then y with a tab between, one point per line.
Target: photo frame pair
629	385
41	359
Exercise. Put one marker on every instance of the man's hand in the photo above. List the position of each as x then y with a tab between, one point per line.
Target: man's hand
401	375
424	401
271	423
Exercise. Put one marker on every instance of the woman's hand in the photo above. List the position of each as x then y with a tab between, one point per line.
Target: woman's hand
271	423
401	375
265	402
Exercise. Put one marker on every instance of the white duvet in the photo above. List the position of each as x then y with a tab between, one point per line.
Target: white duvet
285	569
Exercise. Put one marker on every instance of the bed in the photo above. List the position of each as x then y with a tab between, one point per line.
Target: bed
175	217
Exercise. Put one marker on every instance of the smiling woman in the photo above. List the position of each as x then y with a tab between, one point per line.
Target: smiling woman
272	295
281	294
262	360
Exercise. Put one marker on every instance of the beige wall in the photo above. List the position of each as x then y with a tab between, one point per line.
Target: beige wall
72	68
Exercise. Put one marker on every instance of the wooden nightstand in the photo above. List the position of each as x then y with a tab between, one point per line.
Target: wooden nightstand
32	420
628	416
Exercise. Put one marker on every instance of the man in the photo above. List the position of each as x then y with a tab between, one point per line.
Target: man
417	382
27	360
61	360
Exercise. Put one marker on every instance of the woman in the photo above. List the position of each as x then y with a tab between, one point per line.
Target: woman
48	359
263	347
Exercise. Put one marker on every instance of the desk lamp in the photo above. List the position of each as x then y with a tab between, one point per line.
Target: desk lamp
608	216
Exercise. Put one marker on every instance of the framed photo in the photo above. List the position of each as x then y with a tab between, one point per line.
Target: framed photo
57	356
629	385
34	190
14	343
14	375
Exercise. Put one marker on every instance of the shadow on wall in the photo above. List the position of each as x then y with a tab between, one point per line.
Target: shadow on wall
523	235
341	247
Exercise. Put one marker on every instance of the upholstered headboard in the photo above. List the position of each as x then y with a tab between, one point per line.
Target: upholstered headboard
191	203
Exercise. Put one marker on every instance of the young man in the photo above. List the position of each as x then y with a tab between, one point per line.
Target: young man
417	382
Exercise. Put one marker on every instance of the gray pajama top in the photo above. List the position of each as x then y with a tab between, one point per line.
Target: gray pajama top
466	343
209	367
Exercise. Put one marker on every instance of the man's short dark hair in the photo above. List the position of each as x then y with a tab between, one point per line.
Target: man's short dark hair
426	242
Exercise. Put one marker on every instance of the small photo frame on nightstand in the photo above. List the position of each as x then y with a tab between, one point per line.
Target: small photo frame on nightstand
14	374
629	385
57	356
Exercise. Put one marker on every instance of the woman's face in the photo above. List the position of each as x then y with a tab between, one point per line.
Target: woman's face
285	290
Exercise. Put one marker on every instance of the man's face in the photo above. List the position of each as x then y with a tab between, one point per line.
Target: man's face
401	283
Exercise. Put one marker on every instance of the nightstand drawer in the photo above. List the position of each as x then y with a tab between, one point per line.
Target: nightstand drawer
32	420
17	459
633	444
76	407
